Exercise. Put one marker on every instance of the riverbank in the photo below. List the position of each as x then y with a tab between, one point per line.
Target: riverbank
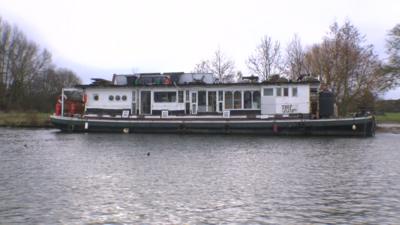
392	118
388	122
25	119
388	127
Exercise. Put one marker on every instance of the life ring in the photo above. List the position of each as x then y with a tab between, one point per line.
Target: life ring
63	96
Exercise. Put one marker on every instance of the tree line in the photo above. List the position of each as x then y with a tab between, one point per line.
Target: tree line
29	80
342	61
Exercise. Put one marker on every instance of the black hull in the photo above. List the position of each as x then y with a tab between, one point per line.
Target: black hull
358	126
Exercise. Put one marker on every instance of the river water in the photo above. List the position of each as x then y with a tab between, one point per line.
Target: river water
47	177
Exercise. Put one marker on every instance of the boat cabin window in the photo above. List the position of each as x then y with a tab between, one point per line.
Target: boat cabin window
228	100
247	99
237	100
123	97
96	97
220	96
268	92
117	97
187	96
256	100
194	100
165	96
285	92
111	97
180	96
279	91
294	92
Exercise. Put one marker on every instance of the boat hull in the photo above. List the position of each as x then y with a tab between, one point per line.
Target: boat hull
357	126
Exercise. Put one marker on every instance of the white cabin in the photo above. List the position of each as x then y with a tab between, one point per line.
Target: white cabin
198	94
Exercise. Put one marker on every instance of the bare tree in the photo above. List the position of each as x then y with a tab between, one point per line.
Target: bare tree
348	66
48	86
202	67
26	72
220	65
266	59
295	58
5	39
393	50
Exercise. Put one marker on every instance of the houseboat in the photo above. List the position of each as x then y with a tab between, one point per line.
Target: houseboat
199	103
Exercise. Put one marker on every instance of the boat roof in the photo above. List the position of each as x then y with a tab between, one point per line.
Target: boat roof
177	82
200	84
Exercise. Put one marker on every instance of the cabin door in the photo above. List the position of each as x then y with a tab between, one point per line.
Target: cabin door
212	101
145	102
202	101
194	102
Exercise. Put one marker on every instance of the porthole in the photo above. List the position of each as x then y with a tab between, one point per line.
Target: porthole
96	97
117	97
123	97
111	97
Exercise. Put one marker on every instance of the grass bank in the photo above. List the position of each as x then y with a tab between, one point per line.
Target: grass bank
388	118
24	119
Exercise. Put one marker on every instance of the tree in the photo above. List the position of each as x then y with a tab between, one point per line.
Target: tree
27	72
202	67
295	59
48	85
220	65
393	50
348	66
266	59
5	39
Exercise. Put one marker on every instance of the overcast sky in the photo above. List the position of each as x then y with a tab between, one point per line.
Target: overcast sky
98	38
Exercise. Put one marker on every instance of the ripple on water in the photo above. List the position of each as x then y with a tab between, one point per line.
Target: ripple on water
47	177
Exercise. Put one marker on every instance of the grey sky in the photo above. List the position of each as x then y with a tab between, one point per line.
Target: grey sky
97	38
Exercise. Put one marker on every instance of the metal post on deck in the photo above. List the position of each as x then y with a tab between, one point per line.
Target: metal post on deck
62	102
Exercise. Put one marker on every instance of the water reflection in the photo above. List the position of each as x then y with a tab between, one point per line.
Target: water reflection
48	177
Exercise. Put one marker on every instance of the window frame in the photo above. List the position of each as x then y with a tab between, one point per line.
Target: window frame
169	97
268	95
180	97
279	92
297	92
228	102
237	100
248	100
257	101
285	92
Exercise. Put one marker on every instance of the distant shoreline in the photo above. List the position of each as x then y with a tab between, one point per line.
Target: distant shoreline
25	120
